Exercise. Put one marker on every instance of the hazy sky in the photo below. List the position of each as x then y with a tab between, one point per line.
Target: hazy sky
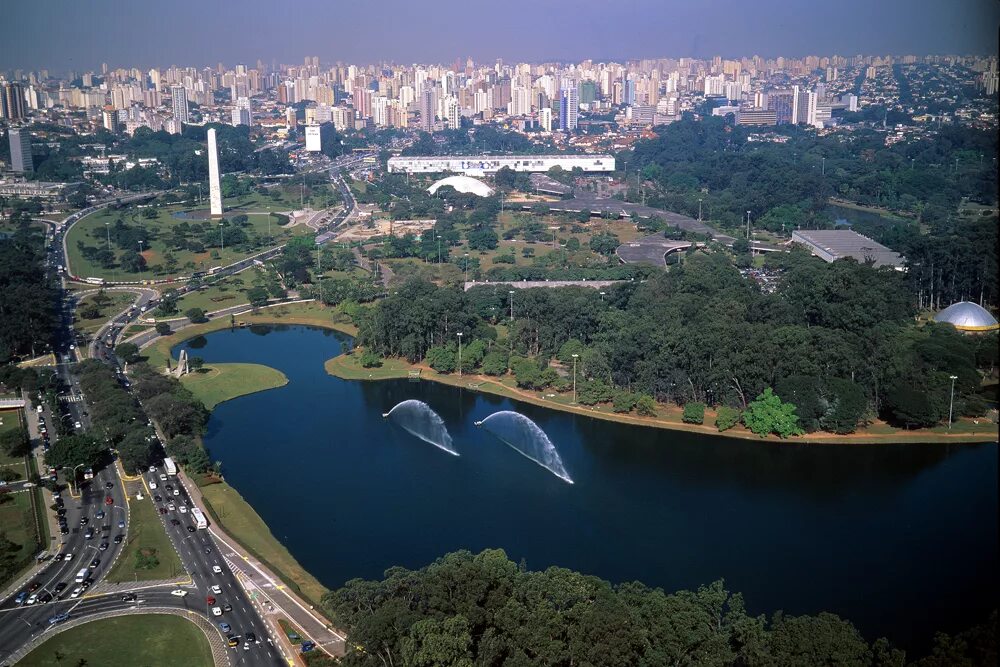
81	34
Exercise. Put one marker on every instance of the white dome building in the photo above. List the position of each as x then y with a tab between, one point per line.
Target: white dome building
968	316
465	184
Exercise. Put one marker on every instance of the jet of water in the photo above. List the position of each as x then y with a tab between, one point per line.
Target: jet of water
417	418
524	436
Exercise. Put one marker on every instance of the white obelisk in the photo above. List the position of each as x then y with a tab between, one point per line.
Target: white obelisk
214	187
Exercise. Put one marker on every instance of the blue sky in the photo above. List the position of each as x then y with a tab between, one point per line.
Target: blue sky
75	34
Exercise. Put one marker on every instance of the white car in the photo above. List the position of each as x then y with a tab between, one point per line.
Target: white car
177	492
152	469
76	592
163	477
152	485
170	507
182	509
179	593
216	569
216	611
217	590
68	556
77	425
33	599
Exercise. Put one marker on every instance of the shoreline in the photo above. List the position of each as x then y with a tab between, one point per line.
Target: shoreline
344	367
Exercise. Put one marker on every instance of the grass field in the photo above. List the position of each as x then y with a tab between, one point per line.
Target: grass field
17	522
214	297
245	525
10	420
221	382
92	231
162	640
145	532
117	301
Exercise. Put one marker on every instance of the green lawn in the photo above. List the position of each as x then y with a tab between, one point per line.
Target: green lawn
145	533
224	294
220	382
115	303
17	522
147	639
92	231
244	524
10	420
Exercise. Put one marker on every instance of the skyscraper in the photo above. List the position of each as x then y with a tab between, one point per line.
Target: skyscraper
427	104
241	112
20	150
569	107
179	101
214	186
12	104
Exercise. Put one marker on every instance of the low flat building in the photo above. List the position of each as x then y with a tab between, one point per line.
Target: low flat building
478	165
36	189
833	244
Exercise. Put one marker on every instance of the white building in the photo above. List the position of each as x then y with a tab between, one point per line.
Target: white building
241	112
545	118
313	143
477	165
178	99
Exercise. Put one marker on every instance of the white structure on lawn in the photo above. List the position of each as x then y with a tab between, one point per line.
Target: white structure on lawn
478	165
214	185
464	184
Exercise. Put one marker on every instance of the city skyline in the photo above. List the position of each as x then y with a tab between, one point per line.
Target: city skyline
523	32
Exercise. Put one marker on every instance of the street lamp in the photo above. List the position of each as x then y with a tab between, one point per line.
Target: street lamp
107	227
699	209
466	267
574	378
951	403
824	166
511	292
459	334
222	241
72	479
602	297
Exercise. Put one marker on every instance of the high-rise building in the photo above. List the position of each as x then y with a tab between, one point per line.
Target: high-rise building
241	112
214	182
545	118
427	105
569	107
12	103
314	142
179	102
20	150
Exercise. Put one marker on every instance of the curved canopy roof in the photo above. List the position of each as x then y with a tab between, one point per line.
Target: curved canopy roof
463	184
968	316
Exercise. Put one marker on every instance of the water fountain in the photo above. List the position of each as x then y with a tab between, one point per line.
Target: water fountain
525	437
417	418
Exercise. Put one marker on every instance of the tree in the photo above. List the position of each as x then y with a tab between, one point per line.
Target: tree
14	442
257	297
441	359
370	359
74	450
604	243
847	406
196	315
726	418
645	406
694	413
132	262
128	352
163	328
769	414
911	407
495	362
483	239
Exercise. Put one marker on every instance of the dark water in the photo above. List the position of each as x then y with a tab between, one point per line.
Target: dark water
850	217
902	540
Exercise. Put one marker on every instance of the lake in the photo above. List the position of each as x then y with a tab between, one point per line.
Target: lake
900	539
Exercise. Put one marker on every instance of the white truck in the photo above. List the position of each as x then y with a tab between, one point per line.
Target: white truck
199	518
82	575
170	466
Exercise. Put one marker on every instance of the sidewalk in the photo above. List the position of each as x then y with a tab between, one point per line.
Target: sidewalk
277	596
48	499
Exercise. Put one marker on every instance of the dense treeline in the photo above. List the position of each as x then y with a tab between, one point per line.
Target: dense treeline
838	341
483	609
116	416
785	186
177	412
718	163
28	302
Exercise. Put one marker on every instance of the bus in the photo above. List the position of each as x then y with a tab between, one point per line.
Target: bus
94	281
169	466
215	269
199	518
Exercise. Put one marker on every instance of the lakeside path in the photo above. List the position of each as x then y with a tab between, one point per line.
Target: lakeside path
346	367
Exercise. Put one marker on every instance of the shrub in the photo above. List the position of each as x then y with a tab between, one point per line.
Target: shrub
624	401
726	418
645	406
370	359
694	413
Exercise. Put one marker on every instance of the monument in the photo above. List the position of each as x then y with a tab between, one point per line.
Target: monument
214	187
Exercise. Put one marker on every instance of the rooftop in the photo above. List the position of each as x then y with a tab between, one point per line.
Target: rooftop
833	244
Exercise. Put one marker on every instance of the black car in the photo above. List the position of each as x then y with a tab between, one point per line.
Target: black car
157	498
190	529
175	522
95	562
84	521
128	597
104	546
227	608
251	637
61	511
59	587
63	529
45	597
109	485
118	538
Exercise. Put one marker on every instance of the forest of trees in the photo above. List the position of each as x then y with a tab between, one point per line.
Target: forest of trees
950	255
483	609
28	302
836	340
